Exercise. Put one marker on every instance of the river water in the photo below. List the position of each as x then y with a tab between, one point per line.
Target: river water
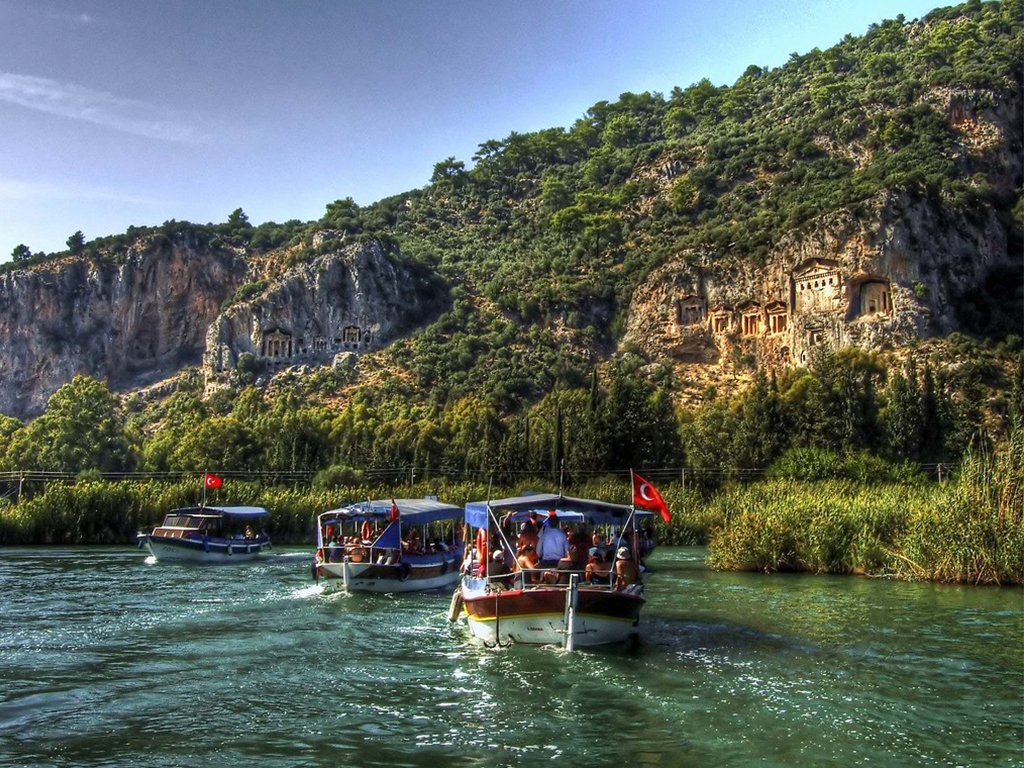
107	660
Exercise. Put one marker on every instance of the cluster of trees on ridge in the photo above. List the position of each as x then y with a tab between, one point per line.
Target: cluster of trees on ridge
844	405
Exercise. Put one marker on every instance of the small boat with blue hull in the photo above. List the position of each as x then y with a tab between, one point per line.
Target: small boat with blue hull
388	545
206	534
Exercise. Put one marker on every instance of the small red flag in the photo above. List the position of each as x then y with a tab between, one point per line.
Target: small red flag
646	496
394	510
212	481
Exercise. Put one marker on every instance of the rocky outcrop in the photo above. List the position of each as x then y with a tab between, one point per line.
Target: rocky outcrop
356	298
131	319
874	281
140	316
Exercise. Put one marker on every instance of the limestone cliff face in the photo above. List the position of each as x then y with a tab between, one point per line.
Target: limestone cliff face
131	320
878	280
890	273
353	299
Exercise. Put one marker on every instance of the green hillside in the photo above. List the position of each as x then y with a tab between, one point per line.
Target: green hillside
543	239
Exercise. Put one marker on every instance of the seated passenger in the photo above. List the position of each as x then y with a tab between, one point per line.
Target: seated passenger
334	549
597	568
528	563
355	550
578	551
414	544
496	568
626	572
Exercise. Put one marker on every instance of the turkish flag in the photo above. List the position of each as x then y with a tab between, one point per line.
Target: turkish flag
212	481
646	496
394	511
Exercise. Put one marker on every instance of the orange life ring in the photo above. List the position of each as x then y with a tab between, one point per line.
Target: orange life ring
366	531
481	545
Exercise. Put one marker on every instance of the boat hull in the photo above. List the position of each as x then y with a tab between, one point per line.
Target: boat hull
539	616
187	550
409	576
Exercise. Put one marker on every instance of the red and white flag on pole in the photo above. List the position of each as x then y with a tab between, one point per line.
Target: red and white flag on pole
212	481
646	496
394	511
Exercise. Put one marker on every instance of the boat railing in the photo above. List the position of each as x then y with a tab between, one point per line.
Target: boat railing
540	578
364	553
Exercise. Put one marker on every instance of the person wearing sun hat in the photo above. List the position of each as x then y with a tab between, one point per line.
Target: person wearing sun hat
626	572
596	569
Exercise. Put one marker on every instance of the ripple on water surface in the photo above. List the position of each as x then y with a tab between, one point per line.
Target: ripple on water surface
105	660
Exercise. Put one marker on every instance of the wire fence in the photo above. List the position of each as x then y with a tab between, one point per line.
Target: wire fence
402	475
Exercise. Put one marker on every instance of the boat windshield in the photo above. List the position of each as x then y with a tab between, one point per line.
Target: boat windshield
186	521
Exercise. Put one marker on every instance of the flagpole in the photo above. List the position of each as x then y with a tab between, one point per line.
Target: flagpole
203	502
634	545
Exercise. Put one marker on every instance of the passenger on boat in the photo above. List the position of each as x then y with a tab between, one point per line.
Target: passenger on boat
355	550
626	572
553	544
334	549
527	536
528	563
414	544
576	557
597	569
496	568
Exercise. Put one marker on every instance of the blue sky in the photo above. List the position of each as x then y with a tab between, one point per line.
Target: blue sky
122	112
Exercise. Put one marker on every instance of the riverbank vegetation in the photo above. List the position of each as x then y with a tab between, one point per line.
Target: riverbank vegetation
969	528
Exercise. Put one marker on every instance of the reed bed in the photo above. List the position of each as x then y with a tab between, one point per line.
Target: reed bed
968	530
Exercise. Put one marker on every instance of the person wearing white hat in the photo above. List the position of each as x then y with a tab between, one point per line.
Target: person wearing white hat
626	572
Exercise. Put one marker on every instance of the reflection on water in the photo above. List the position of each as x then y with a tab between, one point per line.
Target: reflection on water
107	661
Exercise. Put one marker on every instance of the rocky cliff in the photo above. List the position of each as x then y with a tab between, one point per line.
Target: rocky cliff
880	280
131	319
352	299
895	270
142	314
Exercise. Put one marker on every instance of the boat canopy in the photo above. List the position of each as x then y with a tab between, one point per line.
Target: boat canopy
571	509
411	511
208	511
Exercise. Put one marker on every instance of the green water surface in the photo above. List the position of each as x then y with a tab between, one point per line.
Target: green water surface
107	660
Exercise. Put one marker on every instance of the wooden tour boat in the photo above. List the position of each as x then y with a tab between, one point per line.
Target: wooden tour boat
592	594
388	545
